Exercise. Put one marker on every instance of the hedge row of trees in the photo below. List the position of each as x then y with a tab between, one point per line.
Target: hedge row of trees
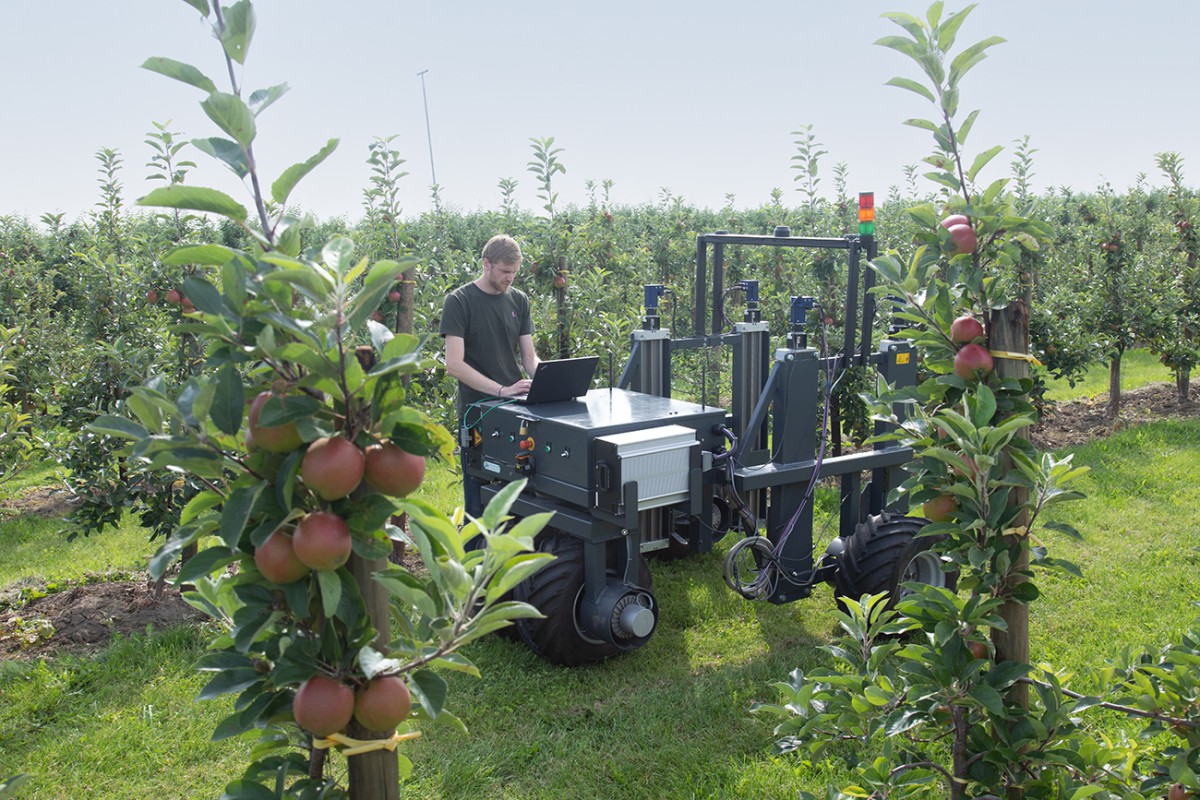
92	304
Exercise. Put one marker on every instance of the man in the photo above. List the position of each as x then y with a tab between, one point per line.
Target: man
486	324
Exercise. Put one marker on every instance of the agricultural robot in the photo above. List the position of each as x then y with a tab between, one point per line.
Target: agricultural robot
630	471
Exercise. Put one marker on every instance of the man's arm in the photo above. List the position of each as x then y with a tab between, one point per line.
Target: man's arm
459	369
529	358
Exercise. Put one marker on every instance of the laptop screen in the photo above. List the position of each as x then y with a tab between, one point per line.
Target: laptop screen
564	379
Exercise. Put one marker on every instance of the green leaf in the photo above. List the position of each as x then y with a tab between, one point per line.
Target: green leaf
213	255
981	161
247	790
912	86
515	571
283	185
230	681
180	72
229	152
198	505
166	555
430	691
195	198
119	427
949	29
338	254
237	513
281	409
985	407
205	297
331	591
369	514
971	56
238	31
498	508
375	663
229	402
231	115
204	562
223	660
263	98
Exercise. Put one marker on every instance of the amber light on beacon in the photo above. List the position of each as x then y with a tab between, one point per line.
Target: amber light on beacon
866	214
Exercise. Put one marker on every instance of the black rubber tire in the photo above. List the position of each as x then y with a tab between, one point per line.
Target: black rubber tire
555	590
885	552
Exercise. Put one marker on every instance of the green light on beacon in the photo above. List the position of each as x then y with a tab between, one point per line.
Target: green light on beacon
866	213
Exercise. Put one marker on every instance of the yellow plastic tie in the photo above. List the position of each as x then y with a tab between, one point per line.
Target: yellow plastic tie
1015	356
355	747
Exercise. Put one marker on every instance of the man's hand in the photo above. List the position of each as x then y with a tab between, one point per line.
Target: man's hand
518	388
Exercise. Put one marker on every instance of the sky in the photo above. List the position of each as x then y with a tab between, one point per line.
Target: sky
696	99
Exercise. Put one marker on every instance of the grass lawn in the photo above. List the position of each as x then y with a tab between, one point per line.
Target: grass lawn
667	721
1138	368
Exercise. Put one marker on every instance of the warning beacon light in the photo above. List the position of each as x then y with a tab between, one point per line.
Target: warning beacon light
866	213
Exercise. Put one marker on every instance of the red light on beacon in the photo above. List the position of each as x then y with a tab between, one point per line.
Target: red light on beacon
866	214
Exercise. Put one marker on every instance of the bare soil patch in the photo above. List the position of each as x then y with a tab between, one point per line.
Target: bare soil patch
44	501
1071	424
84	618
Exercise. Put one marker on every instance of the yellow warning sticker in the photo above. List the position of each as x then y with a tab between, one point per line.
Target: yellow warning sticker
902	358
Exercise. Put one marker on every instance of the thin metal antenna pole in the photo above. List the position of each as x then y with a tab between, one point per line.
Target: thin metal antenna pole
428	134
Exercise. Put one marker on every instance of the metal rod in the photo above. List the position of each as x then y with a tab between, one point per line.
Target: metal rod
428	133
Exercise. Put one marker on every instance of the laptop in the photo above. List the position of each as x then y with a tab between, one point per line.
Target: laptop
564	379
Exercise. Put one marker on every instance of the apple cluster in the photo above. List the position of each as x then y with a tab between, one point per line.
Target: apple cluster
325	705
972	359
961	233
174	297
332	468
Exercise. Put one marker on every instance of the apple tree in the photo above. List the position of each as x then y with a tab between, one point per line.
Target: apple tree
298	430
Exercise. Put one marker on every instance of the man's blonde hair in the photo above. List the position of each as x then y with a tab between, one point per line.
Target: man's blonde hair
502	249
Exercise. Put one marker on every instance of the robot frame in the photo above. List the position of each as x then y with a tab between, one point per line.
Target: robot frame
628	470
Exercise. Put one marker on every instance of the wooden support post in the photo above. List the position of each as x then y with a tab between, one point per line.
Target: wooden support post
374	775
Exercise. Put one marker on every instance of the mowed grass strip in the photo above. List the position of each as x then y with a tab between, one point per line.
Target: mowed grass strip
667	721
1138	368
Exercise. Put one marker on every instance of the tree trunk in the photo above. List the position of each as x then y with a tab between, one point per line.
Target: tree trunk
1114	385
1183	384
1009	331
564	322
404	311
374	775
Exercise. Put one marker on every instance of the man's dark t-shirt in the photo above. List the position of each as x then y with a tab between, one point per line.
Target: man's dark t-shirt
490	326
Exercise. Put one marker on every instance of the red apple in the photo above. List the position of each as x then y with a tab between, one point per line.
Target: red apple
963	237
978	649
394	296
323	705
151	296
333	467
972	359
276	559
938	509
966	329
560	281
173	296
955	219
375	315
393	471
382	704
273	438
322	541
